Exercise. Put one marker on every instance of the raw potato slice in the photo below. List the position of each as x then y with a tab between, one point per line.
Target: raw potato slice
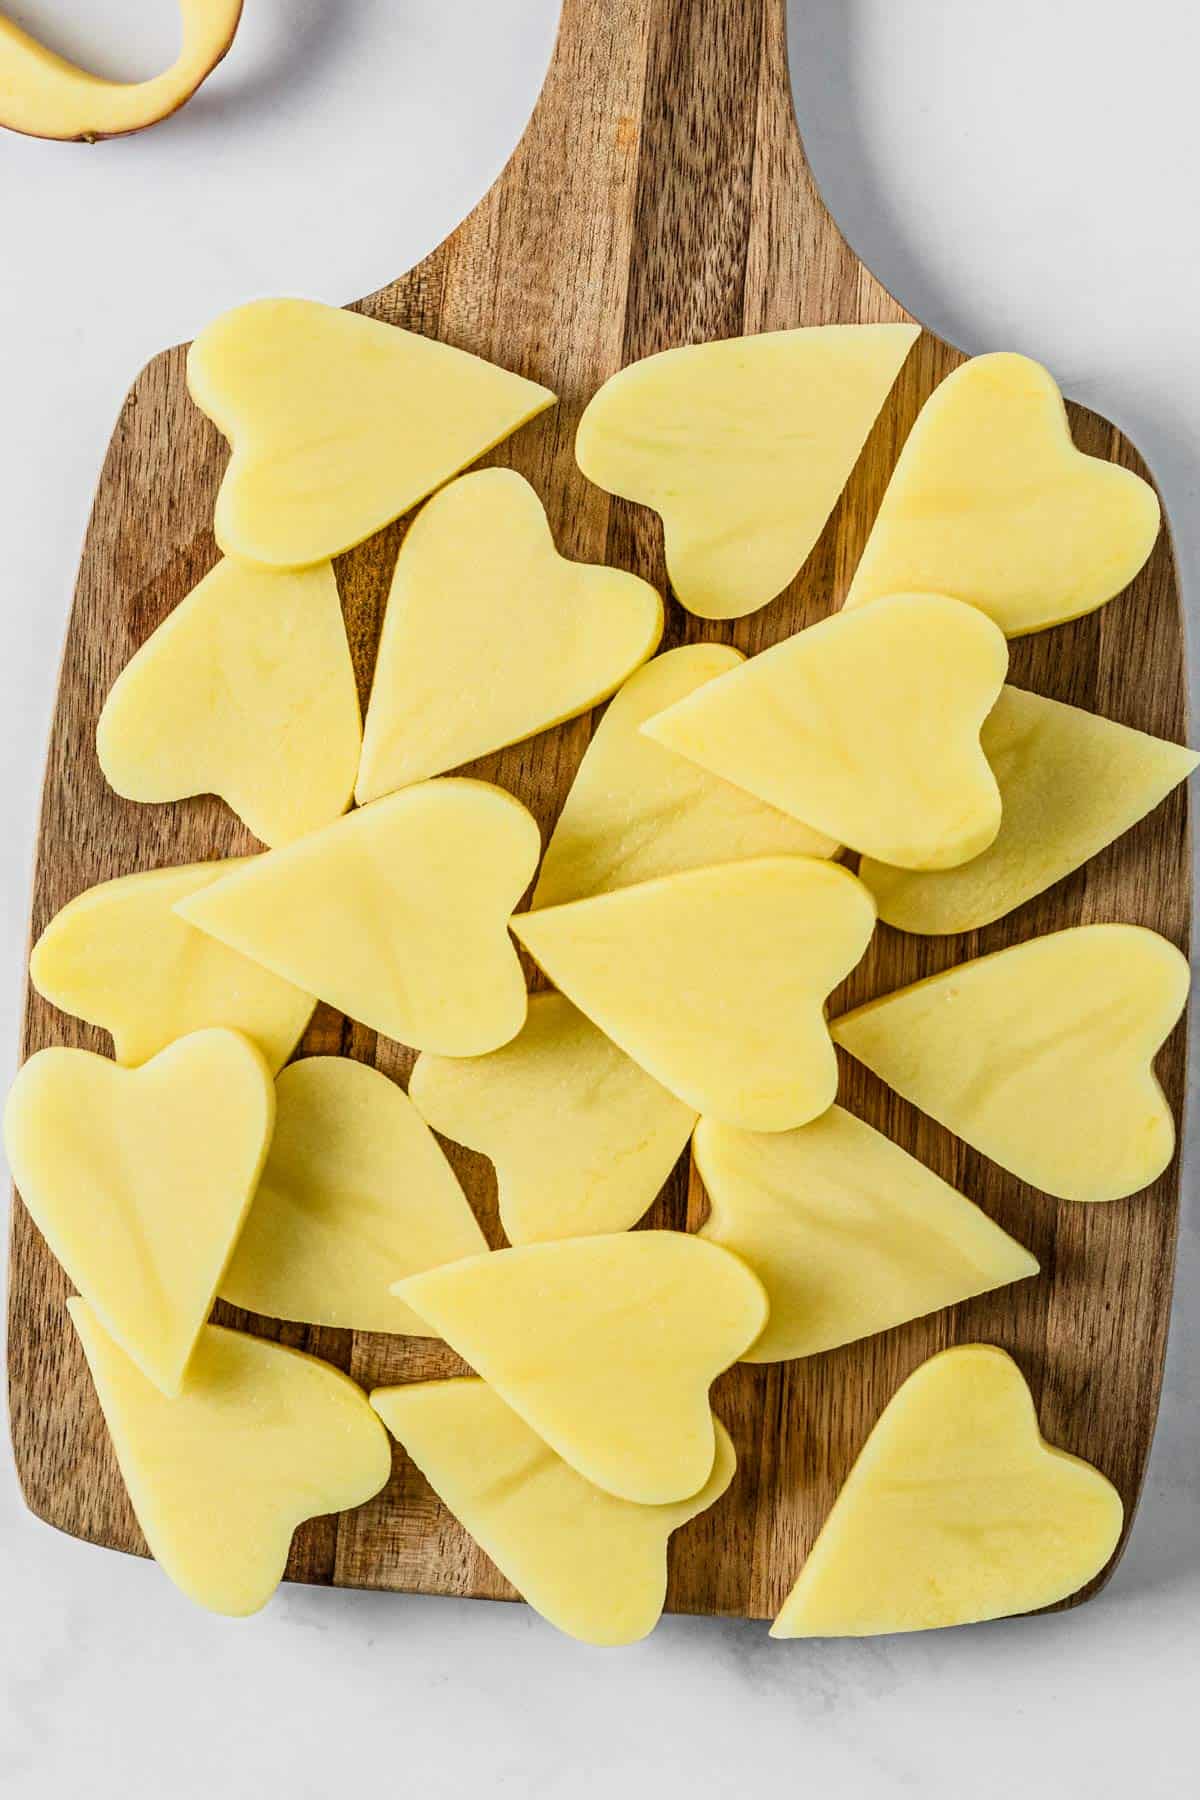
260	1439
339	423
715	980
397	915
491	636
991	503
582	1138
605	1346
636	811
247	691
139	1180
593	1565
1070	783
848	1233
354	1192
956	1511
1041	1056
866	725
120	957
43	95
743	447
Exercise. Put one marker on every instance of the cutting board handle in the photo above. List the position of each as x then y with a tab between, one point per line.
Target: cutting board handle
691	52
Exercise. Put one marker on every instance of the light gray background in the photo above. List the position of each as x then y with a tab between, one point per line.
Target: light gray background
1023	176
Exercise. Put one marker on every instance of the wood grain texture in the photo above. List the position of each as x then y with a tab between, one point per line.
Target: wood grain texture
659	196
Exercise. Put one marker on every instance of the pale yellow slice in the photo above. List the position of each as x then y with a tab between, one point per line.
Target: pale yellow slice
956	1511
139	1180
120	957
743	446
593	1565
354	1192
715	980
246	690
397	915
605	1346
44	95
582	1138
636	811
260	1439
991	503
1041	1056
339	423
866	726
491	636
848	1233
1070	783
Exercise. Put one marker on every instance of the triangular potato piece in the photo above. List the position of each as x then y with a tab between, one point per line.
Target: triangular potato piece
848	1233
636	811
1070	783
715	980
1041	1056
605	1346
119	956
743	446
397	915
866	726
956	1511
582	1138
339	423
593	1565
355	1191
482	605
260	1439
991	503
246	690
139	1180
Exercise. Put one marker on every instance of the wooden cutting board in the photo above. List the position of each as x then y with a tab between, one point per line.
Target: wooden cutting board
660	196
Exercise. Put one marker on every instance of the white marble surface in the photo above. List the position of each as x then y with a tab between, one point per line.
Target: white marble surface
1023	176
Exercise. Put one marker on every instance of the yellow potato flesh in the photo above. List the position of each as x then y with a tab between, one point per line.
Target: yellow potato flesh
715	980
120	957
1070	782
1041	1055
491	636
848	1234
139	1180
396	915
743	447
260	1439
44	95
605	1346
354	1193
991	503
866	726
593	1565
636	811
582	1138
956	1511
339	423
247	691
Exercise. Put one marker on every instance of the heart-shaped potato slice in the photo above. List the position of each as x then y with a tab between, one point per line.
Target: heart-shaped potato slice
605	1346
396	915
139	1180
482	605
260	1439
1041	1056
991	503
865	726
246	690
593	1565
956	1511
